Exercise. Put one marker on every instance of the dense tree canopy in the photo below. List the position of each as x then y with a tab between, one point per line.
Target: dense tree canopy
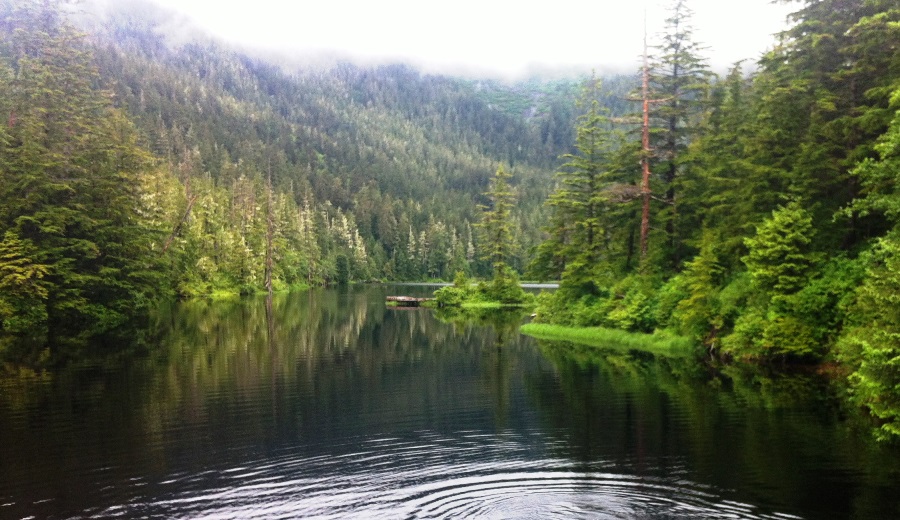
775	196
69	186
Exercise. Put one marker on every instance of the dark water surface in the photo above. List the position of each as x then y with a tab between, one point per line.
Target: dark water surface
326	404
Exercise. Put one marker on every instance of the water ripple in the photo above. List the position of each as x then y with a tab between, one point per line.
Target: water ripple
431	477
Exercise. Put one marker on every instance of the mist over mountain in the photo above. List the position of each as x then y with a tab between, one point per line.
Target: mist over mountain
390	163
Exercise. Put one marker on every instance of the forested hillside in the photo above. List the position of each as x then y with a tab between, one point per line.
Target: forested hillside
767	228
258	176
140	165
387	154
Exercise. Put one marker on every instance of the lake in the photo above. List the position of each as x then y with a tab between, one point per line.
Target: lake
327	404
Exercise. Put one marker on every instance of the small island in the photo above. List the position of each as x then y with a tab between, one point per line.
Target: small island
497	243
502	291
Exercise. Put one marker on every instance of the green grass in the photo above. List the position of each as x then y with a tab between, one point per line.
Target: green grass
482	305
223	295
226	293
495	305
289	288
614	339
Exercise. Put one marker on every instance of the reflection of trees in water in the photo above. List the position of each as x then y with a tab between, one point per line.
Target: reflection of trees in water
505	322
336	348
499	364
236	381
742	427
229	380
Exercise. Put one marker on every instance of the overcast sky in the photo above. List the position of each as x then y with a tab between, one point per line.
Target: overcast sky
484	36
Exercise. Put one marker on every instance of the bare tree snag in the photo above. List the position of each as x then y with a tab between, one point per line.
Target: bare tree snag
645	150
187	214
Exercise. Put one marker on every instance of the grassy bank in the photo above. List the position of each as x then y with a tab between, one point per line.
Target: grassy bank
659	343
493	305
233	293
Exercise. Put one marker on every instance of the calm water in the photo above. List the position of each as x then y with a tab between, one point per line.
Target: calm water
327	405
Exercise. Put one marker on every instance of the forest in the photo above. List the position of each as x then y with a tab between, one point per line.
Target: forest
755	212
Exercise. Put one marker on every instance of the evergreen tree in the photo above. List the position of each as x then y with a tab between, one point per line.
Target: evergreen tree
823	100
679	80
779	258
69	185
779	263
496	233
342	271
871	346
880	178
586	201
698	312
23	293
720	191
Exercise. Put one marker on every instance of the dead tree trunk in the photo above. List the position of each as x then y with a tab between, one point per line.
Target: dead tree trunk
645	151
187	215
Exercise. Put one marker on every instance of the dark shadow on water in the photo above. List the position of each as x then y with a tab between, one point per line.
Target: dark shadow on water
787	435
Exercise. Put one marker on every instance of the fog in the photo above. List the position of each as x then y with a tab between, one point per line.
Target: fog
473	38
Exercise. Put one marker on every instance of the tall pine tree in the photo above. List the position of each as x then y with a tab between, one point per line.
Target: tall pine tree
68	186
679	81
587	198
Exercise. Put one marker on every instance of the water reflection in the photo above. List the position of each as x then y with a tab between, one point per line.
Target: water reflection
773	437
328	404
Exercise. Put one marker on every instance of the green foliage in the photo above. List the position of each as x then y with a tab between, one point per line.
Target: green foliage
779	265
668	298
496	243
802	325
662	344
734	298
630	305
503	290
23	293
822	104
698	314
460	280
872	345
495	227
591	194
68	186
825	301
775	332
744	341
342	274
721	192
779	257
881	177
455	296
451	296
679	80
